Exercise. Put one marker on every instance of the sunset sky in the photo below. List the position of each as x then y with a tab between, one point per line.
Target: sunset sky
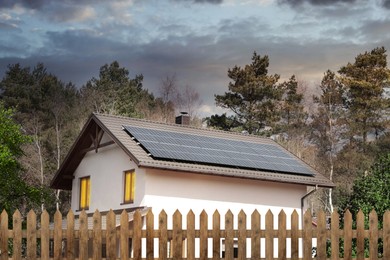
198	40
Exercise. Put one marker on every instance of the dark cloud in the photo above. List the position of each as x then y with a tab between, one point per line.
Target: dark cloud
315	2
202	1
386	4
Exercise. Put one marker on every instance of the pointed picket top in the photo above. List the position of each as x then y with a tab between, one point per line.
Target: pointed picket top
4	213
255	213
125	217
216	215
70	214
203	214
269	212
150	214
176	213
373	217
137	215
45	217
321	216
190	214
57	217
282	214
83	217
17	214
31	214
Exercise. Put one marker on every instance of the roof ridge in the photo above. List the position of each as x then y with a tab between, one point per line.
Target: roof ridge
183	126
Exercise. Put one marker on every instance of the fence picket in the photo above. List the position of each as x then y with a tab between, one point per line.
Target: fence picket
241	235
57	235
269	238
39	238
216	235
150	235
255	236
163	238
97	236
335	236
45	236
386	235
360	235
190	235
229	234
177	235
294	235
373	217
307	236
4	236
282	234
203	235
124	235
321	236
70	240
31	235
17	242
347	235
137	239
83	240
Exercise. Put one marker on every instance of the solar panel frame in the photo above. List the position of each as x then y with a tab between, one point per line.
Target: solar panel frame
192	148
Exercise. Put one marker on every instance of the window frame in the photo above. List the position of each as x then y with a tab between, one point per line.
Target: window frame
131	187
87	192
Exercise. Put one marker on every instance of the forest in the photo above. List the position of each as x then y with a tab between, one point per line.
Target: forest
341	128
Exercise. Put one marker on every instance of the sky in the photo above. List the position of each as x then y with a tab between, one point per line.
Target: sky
195	40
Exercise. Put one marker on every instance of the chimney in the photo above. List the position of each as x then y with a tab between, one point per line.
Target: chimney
183	119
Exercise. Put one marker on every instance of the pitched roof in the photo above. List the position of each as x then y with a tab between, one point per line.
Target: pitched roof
90	137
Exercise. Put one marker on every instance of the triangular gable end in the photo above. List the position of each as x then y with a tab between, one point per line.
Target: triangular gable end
90	139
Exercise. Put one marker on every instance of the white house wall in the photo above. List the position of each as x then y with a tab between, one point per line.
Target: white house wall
106	169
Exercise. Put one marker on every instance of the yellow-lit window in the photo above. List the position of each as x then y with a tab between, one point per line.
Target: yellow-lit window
129	189
85	192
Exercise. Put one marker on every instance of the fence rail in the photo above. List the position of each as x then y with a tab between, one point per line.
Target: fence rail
136	237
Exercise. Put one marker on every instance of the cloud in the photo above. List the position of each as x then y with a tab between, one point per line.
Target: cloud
295	3
386	4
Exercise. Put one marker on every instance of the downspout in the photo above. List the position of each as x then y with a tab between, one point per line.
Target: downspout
303	201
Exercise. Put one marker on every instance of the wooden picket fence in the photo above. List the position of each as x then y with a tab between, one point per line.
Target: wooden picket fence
135	237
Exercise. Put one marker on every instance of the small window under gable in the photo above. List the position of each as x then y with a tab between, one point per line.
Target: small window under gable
85	192
129	187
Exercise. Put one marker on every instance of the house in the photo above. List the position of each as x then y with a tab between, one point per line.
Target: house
123	163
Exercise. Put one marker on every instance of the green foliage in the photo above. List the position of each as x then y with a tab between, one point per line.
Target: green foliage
14	190
114	92
372	190
365	81
222	122
253	94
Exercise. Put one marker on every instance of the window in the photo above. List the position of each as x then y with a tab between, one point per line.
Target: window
129	189
85	192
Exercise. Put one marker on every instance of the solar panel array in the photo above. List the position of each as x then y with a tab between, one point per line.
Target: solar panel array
183	147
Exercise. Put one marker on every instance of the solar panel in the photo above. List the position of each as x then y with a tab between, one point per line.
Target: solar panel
169	145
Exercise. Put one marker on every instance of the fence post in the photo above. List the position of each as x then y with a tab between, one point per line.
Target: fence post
45	235
17	243
373	217
255	236
282	234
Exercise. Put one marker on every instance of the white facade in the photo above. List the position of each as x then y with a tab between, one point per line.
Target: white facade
183	191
